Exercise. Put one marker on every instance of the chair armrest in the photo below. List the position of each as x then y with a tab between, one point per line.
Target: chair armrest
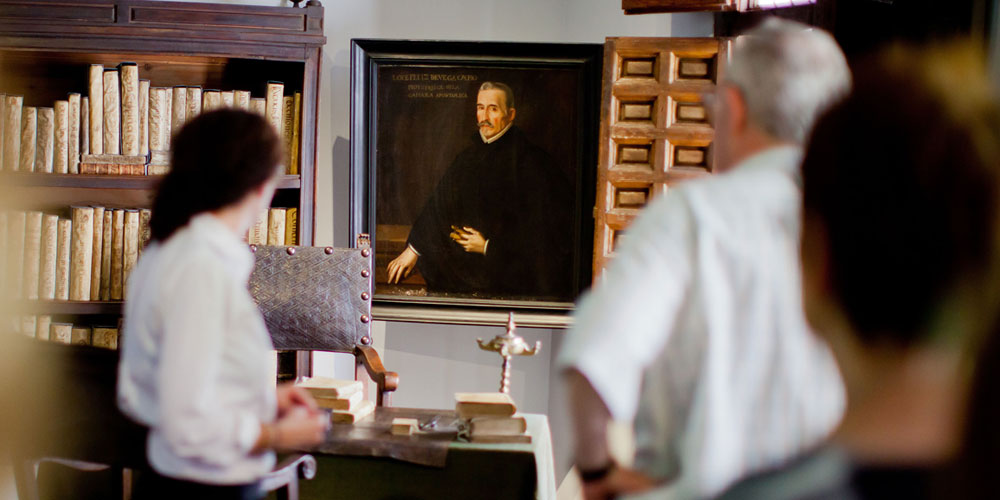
387	381
287	471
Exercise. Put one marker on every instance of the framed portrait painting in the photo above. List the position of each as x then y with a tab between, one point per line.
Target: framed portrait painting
473	173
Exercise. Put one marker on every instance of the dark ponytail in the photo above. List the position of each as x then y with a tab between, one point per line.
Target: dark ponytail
217	158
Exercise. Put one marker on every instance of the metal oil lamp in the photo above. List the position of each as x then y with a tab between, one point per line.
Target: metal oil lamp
507	346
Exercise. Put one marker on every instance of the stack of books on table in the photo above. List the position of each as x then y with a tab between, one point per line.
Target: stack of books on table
343	397
490	417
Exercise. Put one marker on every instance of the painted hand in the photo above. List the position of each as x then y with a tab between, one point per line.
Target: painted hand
470	239
402	266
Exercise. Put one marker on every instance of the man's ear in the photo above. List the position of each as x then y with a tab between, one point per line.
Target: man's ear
510	114
735	106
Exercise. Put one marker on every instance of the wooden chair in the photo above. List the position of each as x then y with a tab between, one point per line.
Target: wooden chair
319	299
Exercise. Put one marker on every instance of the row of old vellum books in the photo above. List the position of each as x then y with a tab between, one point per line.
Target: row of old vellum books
123	126
43	328
275	226
86	257
343	397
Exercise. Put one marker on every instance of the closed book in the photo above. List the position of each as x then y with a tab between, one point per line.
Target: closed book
521	438
287	129
45	140
499	426
96	254
60	138
117	254
129	80
296	134
258	232
292	226
112	113
210	99
106	240
347	403
179	110
80	335
131	249
258	105
85	126
241	99
12	133
104	337
73	133
82	253
32	253
95	96
29	126
43	327
63	249
29	325
61	333
49	257
143	117
15	252
157	131
228	98
484	404
144	232
276	226
325	387
167	121
404	426
274	105
193	104
364	410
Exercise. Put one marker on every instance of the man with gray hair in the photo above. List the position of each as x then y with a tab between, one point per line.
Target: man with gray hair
696	332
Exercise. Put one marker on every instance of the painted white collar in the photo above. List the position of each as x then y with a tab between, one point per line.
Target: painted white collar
493	139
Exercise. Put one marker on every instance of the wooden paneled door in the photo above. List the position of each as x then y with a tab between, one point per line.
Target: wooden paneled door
655	130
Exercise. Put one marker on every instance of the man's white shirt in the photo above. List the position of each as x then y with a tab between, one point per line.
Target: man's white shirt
697	331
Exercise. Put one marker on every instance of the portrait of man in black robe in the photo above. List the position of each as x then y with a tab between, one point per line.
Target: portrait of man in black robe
499	220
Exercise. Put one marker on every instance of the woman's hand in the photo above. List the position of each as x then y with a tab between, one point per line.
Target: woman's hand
291	396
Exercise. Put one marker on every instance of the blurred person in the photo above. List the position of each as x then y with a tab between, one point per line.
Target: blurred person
899	258
195	348
701	306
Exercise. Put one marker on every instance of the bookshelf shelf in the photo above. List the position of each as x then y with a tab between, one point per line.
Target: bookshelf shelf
72	308
108	181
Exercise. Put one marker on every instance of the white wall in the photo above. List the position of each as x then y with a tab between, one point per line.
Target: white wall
435	361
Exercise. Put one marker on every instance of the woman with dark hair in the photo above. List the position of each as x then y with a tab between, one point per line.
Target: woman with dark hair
899	243
195	349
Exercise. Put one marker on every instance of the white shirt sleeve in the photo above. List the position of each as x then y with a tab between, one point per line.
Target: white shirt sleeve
624	321
193	423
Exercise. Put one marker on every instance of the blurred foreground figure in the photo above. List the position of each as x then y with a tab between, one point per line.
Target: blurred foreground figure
697	329
899	247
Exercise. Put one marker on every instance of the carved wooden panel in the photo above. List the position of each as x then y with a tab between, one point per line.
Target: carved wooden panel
654	126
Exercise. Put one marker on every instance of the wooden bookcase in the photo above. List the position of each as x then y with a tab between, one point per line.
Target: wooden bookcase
46	47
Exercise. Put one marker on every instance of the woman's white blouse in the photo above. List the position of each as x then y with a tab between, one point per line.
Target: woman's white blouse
195	353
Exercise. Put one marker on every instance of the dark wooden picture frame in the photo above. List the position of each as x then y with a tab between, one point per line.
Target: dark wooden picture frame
527	180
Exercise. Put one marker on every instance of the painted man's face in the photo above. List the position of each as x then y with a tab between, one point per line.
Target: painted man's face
492	113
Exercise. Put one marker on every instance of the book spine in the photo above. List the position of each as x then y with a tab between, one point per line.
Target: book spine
43	326
296	134
82	252
117	254
144	231
258	105
45	145
32	253
73	134
228	98
63	248
241	99
16	222
105	337
112	113
131	250
129	82
60	160
274	105
12	133
61	333
29	325
292	226
96	120
209	100
157	103
168	118
29	125
49	257
106	238
84	126
258	234
276	226
97	254
143	117
287	129
79	335
179	110
193	104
